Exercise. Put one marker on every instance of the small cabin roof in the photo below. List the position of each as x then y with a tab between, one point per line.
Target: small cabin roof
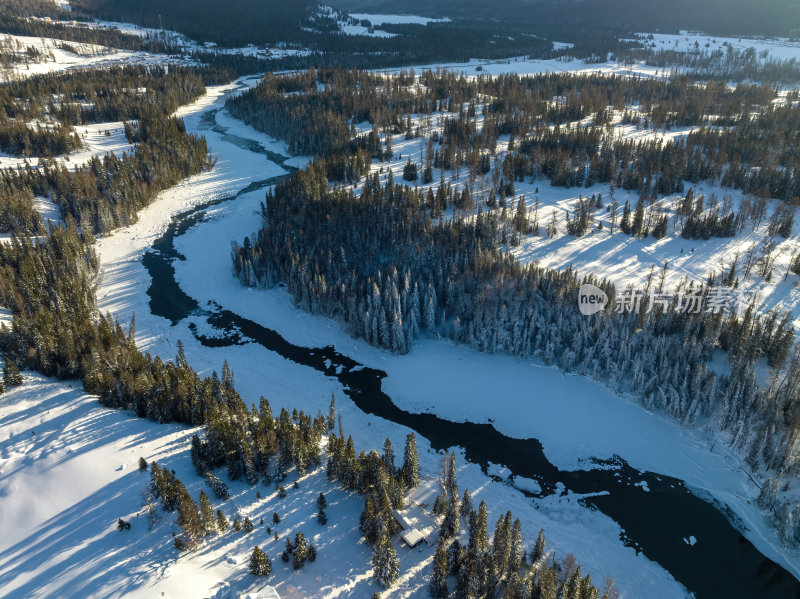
412	537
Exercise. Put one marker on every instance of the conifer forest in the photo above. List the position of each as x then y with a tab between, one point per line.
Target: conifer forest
374	300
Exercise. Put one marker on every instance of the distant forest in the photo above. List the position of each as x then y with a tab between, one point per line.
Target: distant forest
719	17
240	22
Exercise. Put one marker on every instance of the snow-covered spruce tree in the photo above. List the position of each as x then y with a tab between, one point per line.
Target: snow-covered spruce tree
222	521
247	525
219	488
11	375
190	520
539	548
516	549
207	513
451	525
466	505
501	545
385	562
388	456
410	468
300	553
260	564
438	584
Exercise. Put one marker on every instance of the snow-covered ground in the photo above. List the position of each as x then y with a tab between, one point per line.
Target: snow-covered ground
78	460
523	65
376	19
593	537
56	58
68	470
685	41
98	139
623	259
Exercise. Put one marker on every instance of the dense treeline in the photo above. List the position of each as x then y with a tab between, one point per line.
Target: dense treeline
19	139
314	113
102	95
307	25
109	191
102	36
18	211
732	64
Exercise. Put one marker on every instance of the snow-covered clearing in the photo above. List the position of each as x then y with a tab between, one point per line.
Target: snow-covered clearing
68	470
685	41
55	57
98	139
621	258
396	19
522	65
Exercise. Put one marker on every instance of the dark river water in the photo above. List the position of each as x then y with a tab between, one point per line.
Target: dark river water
655	519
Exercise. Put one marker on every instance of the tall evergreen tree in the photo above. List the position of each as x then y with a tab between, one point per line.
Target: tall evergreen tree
260	564
207	513
385	562
410	469
438	584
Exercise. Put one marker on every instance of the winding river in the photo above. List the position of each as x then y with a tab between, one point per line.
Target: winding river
723	564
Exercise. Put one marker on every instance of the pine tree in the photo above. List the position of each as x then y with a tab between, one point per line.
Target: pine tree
312	553
638	218
247	525
625	222
276	519
219	488
322	503
207	513
451	525
322	517
260	564
11	375
300	550
466	504
501	544
189	520
539	548
438	584
388	456
410	469
479	533
222	521
332	414
142	464
516	549
385	561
